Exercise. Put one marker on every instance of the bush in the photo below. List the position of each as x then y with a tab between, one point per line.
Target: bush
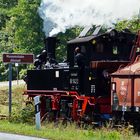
25	115
22	73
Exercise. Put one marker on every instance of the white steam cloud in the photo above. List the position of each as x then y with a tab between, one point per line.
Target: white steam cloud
58	15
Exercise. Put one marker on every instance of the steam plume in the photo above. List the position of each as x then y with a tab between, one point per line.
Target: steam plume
58	15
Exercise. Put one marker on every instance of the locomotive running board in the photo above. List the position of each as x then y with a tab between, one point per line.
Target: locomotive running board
32	93
49	92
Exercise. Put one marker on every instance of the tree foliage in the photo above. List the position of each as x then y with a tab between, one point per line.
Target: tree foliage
133	24
5	6
23	28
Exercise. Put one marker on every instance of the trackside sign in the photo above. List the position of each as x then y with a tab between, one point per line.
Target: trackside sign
18	58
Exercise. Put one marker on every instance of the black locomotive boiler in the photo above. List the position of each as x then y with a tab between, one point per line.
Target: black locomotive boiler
70	91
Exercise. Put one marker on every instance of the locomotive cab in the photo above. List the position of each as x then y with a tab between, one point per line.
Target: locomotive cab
104	53
110	46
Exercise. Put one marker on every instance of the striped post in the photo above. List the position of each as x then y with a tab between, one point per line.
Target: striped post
37	112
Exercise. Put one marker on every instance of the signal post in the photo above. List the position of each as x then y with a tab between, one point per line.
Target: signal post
12	58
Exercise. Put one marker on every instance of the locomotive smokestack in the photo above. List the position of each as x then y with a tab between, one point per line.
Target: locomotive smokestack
50	45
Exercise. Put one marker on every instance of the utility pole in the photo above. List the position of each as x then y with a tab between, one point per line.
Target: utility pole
10	89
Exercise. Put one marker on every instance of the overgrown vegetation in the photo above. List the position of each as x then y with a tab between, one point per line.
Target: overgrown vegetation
21	112
71	132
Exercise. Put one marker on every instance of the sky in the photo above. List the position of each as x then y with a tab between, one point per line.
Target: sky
59	15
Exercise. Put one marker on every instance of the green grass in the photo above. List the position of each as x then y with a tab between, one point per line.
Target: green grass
18	99
68	133
71	132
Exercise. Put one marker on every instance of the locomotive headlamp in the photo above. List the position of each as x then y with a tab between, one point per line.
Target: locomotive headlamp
42	57
38	56
37	63
44	53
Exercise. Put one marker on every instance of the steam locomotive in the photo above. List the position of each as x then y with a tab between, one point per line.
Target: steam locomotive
89	94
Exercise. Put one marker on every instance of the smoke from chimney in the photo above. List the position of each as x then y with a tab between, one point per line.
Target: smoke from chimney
59	15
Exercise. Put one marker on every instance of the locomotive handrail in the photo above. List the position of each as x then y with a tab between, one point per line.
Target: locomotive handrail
44	91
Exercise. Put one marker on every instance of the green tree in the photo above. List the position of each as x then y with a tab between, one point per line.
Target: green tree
5	6
23	31
133	24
